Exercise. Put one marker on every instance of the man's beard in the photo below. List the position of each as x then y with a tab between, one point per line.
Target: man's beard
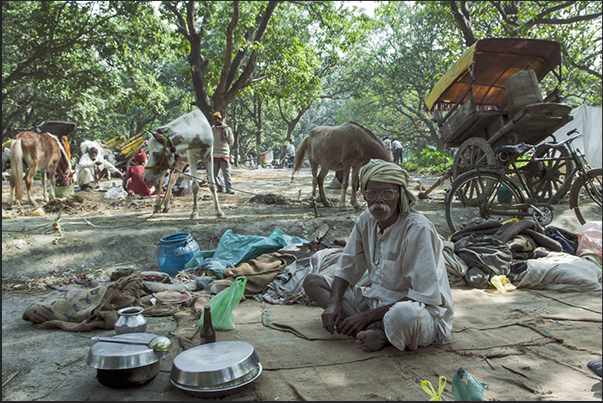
380	206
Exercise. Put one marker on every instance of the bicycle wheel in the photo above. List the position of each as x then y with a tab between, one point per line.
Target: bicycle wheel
546	178
482	193
585	196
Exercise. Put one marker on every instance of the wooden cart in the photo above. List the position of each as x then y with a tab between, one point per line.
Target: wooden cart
124	149
470	103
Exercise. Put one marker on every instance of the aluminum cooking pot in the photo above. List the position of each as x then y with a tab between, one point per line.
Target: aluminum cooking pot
120	365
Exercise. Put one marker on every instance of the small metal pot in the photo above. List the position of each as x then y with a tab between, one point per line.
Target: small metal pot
120	365
131	320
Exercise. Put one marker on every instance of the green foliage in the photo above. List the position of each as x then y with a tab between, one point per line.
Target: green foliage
120	67
435	162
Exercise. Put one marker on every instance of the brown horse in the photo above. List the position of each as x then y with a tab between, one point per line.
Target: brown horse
37	150
339	148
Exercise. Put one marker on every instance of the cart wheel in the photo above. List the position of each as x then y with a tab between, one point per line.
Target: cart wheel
474	152
546	178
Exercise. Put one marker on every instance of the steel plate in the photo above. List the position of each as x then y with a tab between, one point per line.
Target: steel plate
215	365
220	392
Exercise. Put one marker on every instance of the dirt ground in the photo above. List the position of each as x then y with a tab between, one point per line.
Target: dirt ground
94	236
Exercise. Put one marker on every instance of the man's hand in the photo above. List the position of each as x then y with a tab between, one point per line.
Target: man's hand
331	317
98	162
352	325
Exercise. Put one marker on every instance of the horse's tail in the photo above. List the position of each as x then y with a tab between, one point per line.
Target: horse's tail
16	165
299	156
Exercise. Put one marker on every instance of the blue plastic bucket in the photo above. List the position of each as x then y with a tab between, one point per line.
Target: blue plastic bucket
175	251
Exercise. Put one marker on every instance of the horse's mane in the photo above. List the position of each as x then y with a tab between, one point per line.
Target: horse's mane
365	129
63	152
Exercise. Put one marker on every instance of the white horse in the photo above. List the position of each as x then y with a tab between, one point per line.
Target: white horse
191	133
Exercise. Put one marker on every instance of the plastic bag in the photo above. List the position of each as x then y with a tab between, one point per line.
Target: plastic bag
115	193
589	239
435	397
466	387
502	283
39	212
237	248
223	303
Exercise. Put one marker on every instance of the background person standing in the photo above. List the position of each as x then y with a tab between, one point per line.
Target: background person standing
223	139
397	150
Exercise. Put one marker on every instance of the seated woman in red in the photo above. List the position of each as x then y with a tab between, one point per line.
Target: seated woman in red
133	177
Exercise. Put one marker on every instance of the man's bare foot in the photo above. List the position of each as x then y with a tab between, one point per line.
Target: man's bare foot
371	340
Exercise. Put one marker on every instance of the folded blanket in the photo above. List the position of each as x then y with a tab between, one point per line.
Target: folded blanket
83	310
509	230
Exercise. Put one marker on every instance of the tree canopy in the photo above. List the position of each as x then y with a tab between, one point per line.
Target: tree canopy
275	69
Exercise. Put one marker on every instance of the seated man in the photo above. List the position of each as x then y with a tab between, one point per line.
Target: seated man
92	167
132	181
408	303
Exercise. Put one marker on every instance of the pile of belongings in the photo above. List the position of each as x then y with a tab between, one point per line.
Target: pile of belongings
525	254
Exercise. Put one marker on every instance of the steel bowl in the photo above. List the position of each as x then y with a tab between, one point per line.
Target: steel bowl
215	368
109	355
120	365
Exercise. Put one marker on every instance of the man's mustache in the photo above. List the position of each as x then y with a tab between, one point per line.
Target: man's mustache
380	206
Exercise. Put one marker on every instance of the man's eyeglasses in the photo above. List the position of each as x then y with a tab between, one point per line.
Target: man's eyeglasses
386	194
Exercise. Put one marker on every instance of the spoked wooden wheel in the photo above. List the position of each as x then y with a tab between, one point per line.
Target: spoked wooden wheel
473	153
547	178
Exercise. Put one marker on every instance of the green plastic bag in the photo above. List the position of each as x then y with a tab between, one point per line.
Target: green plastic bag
223	303
466	387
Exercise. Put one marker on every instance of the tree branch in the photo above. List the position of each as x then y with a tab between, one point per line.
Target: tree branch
571	61
240	82
463	21
228	69
181	24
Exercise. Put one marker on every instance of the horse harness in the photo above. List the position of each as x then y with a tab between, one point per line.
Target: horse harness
163	156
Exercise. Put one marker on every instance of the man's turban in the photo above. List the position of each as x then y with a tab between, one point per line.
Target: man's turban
383	171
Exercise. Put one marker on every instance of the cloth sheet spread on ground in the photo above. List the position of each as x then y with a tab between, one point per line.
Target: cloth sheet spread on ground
79	309
527	254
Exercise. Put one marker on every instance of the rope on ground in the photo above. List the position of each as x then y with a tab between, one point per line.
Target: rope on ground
212	183
566	303
52	390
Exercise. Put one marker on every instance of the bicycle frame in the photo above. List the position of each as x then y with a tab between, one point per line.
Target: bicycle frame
581	166
481	189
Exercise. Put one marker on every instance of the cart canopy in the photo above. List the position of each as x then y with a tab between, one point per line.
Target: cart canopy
495	59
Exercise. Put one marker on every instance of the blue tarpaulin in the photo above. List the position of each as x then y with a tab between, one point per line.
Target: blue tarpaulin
241	248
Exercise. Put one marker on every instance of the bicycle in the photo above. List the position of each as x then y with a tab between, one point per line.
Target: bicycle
501	192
